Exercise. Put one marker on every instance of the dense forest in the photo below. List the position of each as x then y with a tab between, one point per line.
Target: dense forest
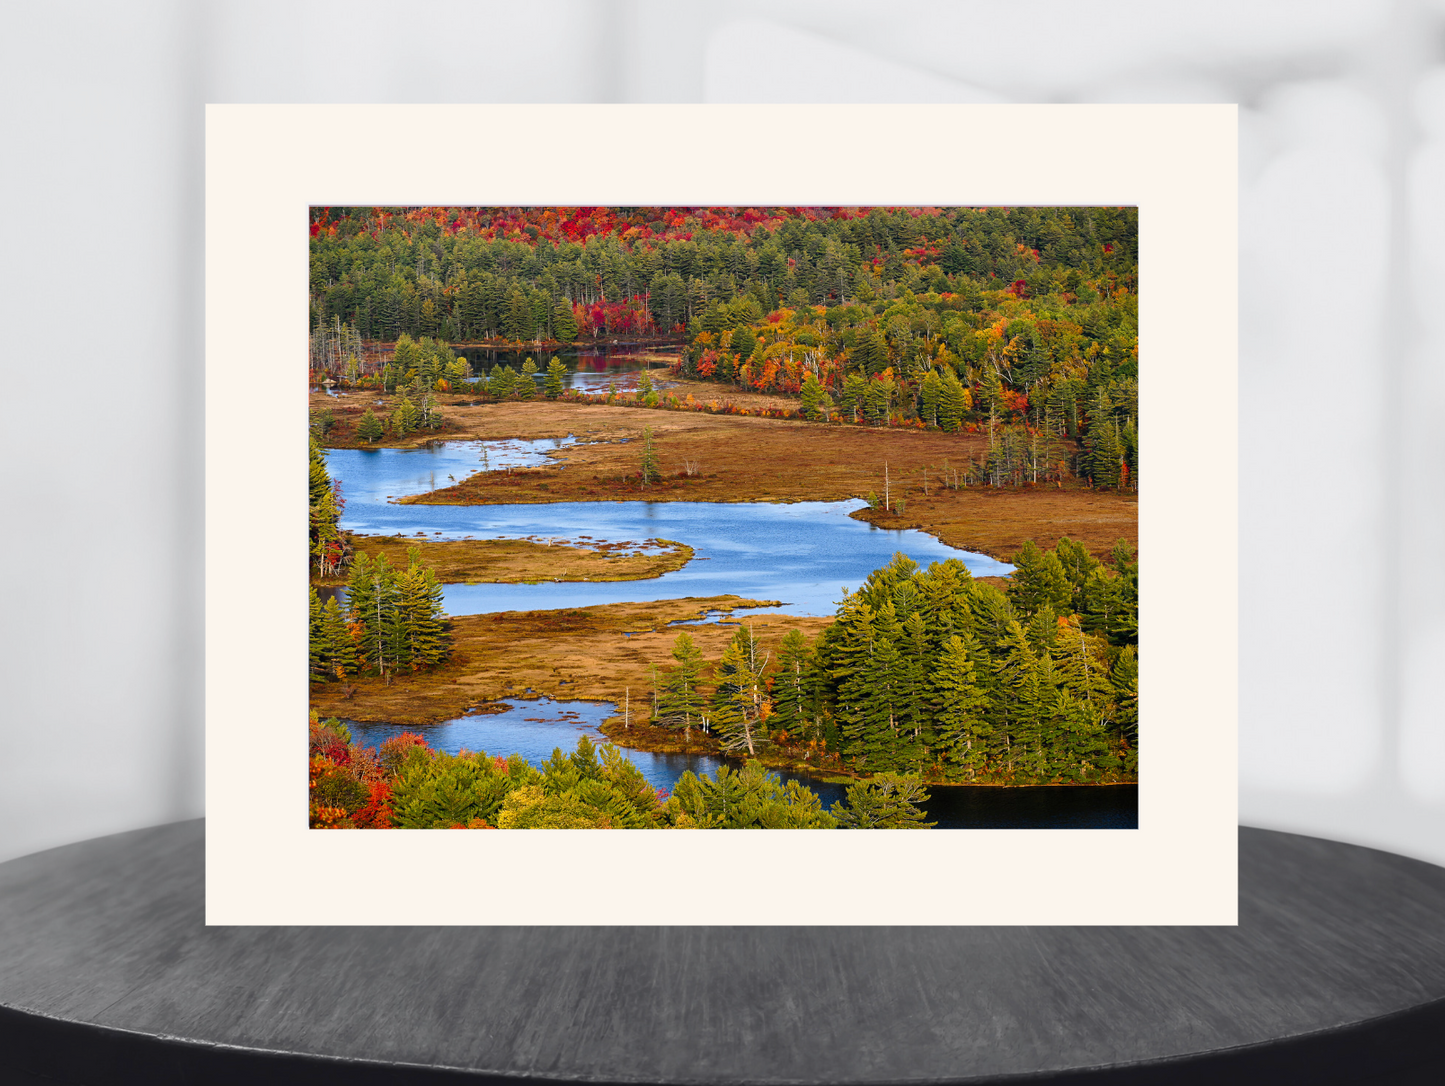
1021	320
929	672
404	784
393	619
1019	324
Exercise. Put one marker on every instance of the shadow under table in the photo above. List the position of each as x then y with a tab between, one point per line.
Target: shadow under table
108	976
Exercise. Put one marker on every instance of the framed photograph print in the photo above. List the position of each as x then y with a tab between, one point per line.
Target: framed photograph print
588	470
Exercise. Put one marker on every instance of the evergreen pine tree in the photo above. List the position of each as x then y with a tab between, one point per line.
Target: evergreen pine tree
878	401
792	687
369	427
740	707
743	341
316	639
929	394
1039	580
888	801
370	602
957	701
428	639
1124	679
556	372
869	353
952	402
564	324
338	649
680	705
855	394
526	386
509	382
517	324
812	395
407	358
325	534
914	705
649	468
405	417
1018	703
1078	564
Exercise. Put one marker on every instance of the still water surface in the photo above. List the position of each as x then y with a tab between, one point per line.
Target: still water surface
591	370
802	553
533	728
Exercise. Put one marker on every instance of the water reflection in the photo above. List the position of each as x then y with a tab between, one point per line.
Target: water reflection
533	728
591	370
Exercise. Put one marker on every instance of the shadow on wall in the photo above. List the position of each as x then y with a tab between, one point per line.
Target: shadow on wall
1342	123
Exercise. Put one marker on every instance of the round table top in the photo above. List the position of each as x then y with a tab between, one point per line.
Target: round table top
1336	973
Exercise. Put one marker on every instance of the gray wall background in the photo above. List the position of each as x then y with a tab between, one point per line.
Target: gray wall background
1342	353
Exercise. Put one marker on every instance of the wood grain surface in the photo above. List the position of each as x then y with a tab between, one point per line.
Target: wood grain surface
1336	973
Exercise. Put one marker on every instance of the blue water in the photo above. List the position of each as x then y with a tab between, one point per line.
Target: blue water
590	370
534	728
802	553
371	476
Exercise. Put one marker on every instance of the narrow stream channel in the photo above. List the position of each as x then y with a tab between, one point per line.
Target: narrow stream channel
801	553
533	728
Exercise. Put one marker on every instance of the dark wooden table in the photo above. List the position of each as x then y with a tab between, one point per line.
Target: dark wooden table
1335	974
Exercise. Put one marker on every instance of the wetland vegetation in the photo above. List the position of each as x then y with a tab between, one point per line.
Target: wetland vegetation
960	382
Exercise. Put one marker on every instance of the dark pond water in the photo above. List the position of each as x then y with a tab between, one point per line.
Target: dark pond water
802	553
534	728
590	370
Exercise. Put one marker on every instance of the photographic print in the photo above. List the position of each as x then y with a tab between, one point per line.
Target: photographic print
723	517
696	490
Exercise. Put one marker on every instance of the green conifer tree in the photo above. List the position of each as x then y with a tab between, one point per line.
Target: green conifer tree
740	706
458	372
887	801
680	704
811	395
316	639
855	394
428	639
952	402
743	341
338	649
793	687
369	427
649	467
930	391
526	386
878	401
517	324
564	324
556	373
869	354
1124	679
1039	580
496	382
325	533
957	702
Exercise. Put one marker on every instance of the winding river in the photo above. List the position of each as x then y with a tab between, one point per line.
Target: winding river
802	553
533	728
